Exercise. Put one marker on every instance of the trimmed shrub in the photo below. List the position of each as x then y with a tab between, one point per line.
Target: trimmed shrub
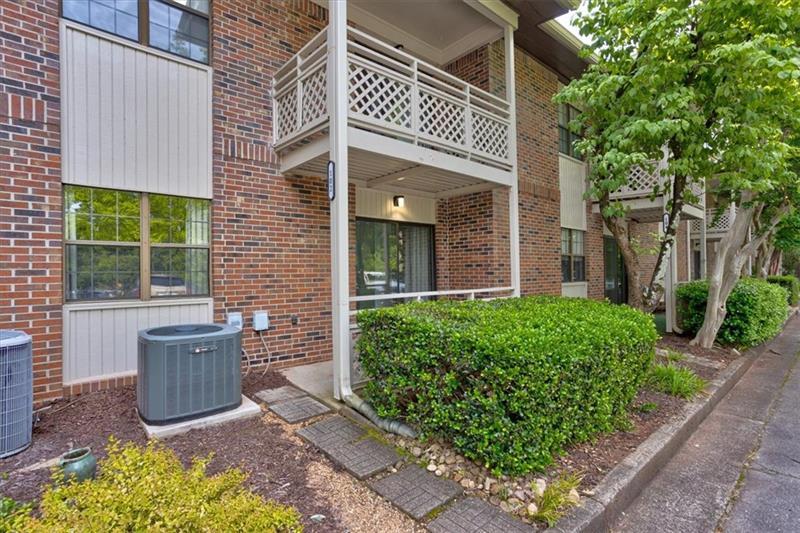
508	382
149	490
790	283
756	311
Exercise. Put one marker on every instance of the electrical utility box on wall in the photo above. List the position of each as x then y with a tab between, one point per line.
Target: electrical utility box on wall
260	320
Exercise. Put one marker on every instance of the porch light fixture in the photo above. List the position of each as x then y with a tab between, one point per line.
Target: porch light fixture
399	201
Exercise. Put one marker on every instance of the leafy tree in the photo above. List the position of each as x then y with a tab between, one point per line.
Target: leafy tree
711	83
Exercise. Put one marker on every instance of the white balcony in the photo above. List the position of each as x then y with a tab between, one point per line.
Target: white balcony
717	222
408	121
637	195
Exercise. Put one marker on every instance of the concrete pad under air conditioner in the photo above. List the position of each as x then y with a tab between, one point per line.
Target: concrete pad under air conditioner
248	409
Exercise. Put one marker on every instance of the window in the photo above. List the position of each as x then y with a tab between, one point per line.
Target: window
393	257
173	28
180	27
573	260
567	138
120	17
113	237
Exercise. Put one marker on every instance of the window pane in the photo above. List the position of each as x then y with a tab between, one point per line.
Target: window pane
178	220
564	241
577	242
178	31
96	272
578	268
563	115
197	5
179	272
566	270
119	17
564	141
101	214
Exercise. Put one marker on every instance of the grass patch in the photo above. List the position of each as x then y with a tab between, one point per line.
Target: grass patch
674	380
647	407
555	501
675	357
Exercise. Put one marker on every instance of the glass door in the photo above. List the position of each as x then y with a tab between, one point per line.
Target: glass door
392	257
616	280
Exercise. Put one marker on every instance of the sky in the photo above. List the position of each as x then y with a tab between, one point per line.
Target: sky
565	20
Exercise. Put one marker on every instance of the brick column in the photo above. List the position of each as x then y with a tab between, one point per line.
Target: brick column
30	185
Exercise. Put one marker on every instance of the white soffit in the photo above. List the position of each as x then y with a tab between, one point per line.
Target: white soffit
438	32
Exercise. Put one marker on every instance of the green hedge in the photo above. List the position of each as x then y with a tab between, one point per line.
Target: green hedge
790	283
756	311
508	382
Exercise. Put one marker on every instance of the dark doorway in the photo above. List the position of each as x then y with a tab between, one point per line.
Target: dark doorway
616	279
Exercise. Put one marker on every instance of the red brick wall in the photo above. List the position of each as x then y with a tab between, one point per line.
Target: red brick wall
271	248
472	68
595	259
470	234
537	157
30	184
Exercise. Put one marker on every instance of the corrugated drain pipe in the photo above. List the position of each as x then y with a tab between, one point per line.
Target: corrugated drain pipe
392	426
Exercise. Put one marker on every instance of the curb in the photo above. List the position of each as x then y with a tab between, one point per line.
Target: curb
626	480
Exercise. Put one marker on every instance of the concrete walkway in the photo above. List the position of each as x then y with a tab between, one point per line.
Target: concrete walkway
740	471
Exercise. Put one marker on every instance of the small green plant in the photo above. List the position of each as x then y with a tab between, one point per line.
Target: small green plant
556	499
674	380
13	515
675	357
147	489
647	407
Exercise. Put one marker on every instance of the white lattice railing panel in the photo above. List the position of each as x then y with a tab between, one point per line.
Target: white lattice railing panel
378	96
716	221
315	94
442	118
394	94
489	135
286	115
641	182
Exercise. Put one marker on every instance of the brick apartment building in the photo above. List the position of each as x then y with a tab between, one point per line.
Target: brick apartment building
165	161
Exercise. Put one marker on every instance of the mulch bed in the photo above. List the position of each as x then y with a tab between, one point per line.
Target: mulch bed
681	344
595	459
275	465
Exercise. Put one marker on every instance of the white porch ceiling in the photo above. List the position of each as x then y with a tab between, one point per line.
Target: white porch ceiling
437	31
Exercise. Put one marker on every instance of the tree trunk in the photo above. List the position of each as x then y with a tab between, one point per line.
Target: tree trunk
725	271
775	263
727	266
618	226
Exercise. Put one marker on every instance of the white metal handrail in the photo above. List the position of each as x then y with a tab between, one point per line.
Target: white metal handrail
469	293
395	94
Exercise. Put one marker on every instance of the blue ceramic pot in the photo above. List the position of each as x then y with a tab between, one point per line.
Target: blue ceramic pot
78	464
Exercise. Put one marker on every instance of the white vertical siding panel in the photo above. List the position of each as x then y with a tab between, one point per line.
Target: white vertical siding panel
102	341
572	183
134	118
371	203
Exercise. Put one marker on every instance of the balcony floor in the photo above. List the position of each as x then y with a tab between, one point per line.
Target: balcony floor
409	169
646	210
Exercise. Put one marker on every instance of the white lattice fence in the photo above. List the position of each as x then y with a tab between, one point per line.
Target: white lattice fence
716	222
641	182
286	105
442	118
315	95
489	135
378	96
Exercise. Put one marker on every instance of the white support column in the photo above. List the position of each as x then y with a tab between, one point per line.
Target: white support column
704	247
513	191
340	220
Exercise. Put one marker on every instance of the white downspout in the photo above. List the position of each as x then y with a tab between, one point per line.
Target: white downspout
340	255
513	191
340	221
